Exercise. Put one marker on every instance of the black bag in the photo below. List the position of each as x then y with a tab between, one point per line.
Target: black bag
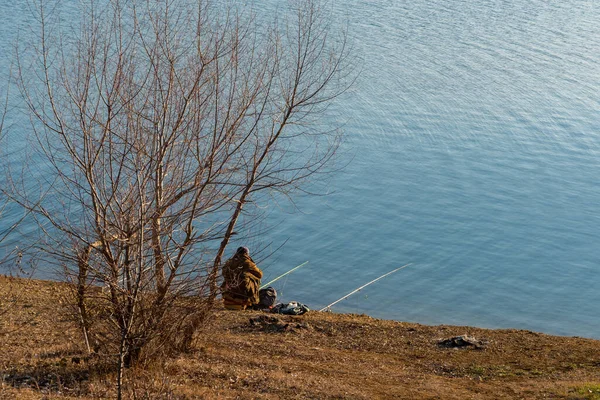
291	308
267	297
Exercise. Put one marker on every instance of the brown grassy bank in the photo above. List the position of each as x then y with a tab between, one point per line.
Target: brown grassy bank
316	356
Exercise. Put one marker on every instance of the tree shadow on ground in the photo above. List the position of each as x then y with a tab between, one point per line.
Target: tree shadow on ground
64	372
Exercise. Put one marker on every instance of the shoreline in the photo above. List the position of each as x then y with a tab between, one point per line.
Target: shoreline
318	355
346	310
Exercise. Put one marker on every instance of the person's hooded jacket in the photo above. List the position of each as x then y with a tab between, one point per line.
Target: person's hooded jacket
241	281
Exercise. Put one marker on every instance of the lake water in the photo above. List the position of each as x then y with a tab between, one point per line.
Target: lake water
473	150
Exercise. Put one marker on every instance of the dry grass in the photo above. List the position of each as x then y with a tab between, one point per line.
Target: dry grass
317	356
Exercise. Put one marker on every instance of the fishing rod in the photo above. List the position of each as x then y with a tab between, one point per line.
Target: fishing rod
364	286
282	275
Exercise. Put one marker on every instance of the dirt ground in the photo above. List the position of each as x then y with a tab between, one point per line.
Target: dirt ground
252	355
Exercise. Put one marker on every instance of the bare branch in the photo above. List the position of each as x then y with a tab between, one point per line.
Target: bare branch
162	123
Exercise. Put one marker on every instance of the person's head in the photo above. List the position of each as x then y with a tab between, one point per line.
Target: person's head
241	251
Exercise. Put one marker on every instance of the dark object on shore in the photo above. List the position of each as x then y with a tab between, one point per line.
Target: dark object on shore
267	297
291	308
461	342
269	323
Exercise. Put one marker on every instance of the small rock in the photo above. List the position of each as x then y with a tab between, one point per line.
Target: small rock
269	323
460	342
265	319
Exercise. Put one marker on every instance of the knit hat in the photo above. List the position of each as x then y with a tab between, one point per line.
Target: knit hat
242	250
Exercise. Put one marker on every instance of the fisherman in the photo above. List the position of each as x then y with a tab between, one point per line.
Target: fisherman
241	281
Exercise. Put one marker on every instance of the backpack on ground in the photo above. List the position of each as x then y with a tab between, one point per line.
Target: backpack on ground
291	308
267	297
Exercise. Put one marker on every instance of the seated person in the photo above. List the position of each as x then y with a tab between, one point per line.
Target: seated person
241	281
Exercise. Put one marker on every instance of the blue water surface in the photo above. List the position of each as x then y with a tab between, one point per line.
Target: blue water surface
472	151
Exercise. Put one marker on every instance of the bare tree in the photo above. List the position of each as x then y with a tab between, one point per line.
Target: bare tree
4	231
6	293
161	122
10	258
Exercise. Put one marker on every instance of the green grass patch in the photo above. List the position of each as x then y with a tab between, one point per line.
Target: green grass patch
590	391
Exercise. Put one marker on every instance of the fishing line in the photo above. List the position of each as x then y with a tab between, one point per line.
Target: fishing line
284	274
363	286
